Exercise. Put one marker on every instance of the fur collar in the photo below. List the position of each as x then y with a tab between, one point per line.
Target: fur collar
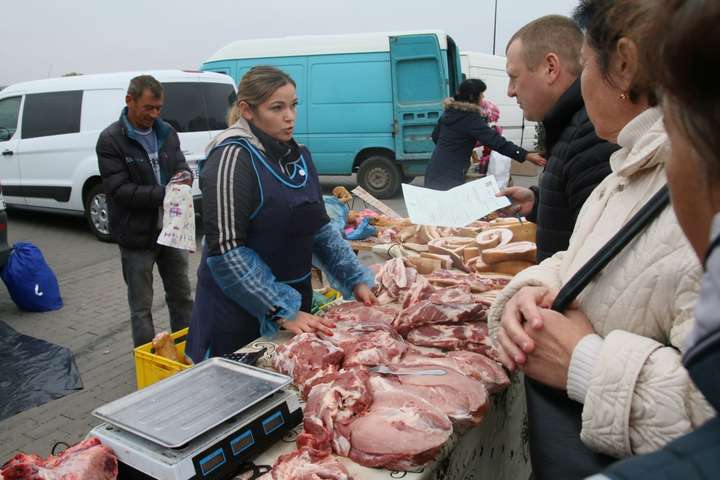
451	103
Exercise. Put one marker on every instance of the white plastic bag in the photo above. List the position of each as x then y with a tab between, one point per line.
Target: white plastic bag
178	218
499	166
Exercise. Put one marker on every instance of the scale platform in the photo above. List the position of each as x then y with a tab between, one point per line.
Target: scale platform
200	425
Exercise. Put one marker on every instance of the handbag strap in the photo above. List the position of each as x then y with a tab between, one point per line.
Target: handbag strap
627	233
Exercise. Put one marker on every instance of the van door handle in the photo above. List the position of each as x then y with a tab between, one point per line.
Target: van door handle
7	152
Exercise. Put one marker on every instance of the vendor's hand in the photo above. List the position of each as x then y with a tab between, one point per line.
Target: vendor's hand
363	294
522	308
183	177
549	361
523	200
536	158
307	323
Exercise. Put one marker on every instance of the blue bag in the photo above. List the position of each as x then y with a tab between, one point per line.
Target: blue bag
30	280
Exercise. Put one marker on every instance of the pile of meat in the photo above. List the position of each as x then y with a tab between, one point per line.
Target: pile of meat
394	421
88	460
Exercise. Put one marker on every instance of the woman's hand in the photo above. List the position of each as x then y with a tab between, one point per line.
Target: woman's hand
536	158
307	323
363	294
522	308
523	200
554	344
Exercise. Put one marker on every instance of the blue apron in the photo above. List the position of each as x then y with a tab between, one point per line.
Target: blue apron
281	231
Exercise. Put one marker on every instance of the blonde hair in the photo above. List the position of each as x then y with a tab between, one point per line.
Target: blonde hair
256	86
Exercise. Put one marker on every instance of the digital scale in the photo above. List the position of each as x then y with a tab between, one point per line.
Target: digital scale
201	423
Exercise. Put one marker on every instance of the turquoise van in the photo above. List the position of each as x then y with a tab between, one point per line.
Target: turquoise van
368	102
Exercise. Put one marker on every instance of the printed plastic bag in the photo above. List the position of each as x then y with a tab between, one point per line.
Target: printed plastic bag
30	280
178	218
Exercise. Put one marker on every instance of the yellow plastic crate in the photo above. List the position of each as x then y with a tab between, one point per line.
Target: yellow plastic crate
151	368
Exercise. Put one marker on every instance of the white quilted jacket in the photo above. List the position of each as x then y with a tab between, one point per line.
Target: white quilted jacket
641	304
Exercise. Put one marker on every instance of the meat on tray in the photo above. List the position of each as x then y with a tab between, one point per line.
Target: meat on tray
472	336
302	465
428	313
308	359
472	364
463	399
393	279
400	431
87	460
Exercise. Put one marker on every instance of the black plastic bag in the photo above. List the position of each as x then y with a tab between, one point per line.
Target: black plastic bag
33	372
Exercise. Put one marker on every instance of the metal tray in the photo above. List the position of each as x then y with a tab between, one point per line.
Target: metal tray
176	410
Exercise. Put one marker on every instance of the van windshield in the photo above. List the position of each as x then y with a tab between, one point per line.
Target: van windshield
197	106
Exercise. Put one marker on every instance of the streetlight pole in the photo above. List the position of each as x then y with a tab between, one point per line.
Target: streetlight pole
495	26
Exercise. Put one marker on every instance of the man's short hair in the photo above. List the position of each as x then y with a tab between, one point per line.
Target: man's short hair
144	82
551	34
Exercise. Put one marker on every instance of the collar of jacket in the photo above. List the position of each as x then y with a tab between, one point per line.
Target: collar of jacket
161	128
645	144
451	104
559	116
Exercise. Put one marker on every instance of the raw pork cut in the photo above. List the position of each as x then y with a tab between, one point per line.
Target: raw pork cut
308	359
401	431
392	280
331	408
478	282
367	344
427	313
463	399
464	336
420	290
471	364
360	313
87	460
302	465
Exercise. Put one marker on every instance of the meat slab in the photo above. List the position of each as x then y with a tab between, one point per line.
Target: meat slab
400	431
464	336
302	465
476	281
308	359
87	460
471	364
429	313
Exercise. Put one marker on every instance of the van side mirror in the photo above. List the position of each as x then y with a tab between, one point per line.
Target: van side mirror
5	134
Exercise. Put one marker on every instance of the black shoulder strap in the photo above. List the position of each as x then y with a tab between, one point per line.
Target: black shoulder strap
630	230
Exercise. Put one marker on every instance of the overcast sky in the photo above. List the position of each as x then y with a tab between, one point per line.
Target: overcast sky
41	38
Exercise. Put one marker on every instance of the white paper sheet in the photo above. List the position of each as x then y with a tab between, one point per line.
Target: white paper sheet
456	207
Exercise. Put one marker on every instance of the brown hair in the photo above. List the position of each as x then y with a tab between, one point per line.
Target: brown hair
607	21
551	34
256	86
144	82
685	61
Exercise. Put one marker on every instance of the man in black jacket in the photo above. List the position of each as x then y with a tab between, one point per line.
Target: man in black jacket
543	63
138	155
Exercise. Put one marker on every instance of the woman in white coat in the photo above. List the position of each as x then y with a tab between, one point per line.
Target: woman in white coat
617	353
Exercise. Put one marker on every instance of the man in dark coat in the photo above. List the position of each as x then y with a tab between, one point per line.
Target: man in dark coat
138	155
543	63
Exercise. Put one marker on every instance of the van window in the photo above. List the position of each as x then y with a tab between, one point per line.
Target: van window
54	113
9	110
196	107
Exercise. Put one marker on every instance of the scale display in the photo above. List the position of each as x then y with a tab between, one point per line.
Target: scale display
212	461
242	443
273	422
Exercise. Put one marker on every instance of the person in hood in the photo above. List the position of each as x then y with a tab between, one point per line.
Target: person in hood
692	117
460	127
264	220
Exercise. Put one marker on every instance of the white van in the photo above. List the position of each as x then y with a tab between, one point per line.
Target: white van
491	70
49	128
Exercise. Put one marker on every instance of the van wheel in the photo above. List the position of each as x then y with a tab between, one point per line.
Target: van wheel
96	213
380	176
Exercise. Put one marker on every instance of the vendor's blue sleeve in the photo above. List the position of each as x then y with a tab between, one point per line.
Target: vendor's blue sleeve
244	278
335	257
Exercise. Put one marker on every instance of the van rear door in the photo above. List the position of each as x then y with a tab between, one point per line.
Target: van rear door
420	84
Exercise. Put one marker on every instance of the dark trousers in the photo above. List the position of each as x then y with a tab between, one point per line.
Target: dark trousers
137	268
